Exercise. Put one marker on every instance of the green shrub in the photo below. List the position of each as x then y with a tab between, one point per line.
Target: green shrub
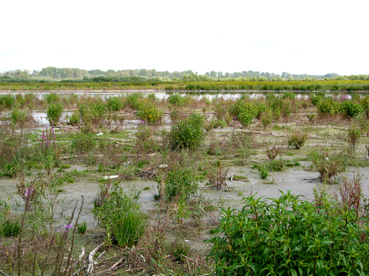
133	100
263	170
74	118
328	106
351	109
52	98
328	167
149	112
290	236
188	133
83	143
7	101
289	95
122	218
54	112
10	228
352	138
297	139
179	182
245	118
176	100
114	103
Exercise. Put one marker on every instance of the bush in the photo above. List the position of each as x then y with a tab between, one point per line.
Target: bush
352	138
83	143
351	109
176	100
297	139
6	101
122	218
328	106
290	236
54	112
114	103
179	182
149	113
188	133
245	118
10	228
328	167
74	119
52	98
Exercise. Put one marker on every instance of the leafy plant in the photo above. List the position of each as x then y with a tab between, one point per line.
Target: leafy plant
188	133
290	236
352	138
54	112
149	112
122	218
178	182
298	138
82	228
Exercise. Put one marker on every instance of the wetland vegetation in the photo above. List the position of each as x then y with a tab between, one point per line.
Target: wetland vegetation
136	184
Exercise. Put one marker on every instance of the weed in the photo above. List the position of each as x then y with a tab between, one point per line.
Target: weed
82	228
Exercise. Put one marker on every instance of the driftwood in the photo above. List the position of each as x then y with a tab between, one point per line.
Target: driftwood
147	172
91	260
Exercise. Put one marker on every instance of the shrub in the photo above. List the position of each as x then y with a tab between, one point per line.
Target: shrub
290	236
114	103
328	106
7	101
263	170
83	143
352	138
10	228
149	112
54	112
267	117
122	218
328	167
245	118
176	100
52	98
188	133
297	139
289	95
74	119
178	182
351	109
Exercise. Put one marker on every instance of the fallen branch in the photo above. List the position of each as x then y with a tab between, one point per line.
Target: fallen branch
91	260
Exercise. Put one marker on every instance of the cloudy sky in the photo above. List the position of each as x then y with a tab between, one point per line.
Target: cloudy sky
295	36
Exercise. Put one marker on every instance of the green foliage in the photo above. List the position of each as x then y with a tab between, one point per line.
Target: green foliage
7	101
328	167
10	228
267	117
17	116
149	112
351	109
176	99
179	182
54	113
83	143
133	100
82	228
289	95
122	218
188	133
263	170
245	118
353	138
297	139
52	98
290	236
74	118
328	106
114	103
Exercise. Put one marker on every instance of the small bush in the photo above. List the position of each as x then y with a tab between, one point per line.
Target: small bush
149	113
121	217
52	98
178	182
245	118
83	143
114	103
328	167
54	112
10	228
188	133
176	100
7	101
351	109
352	138
297	139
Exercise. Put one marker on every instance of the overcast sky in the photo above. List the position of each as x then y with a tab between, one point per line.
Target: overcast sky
297	36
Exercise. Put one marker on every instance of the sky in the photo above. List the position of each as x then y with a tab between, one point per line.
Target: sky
295	36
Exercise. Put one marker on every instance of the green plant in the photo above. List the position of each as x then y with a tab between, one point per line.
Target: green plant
10	228
122	218
264	171
353	138
74	118
52	98
327	166
176	99
54	113
245	118
297	139
267	117
149	113
188	133
290	236
82	143
178	182
114	103
351	109
81	228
